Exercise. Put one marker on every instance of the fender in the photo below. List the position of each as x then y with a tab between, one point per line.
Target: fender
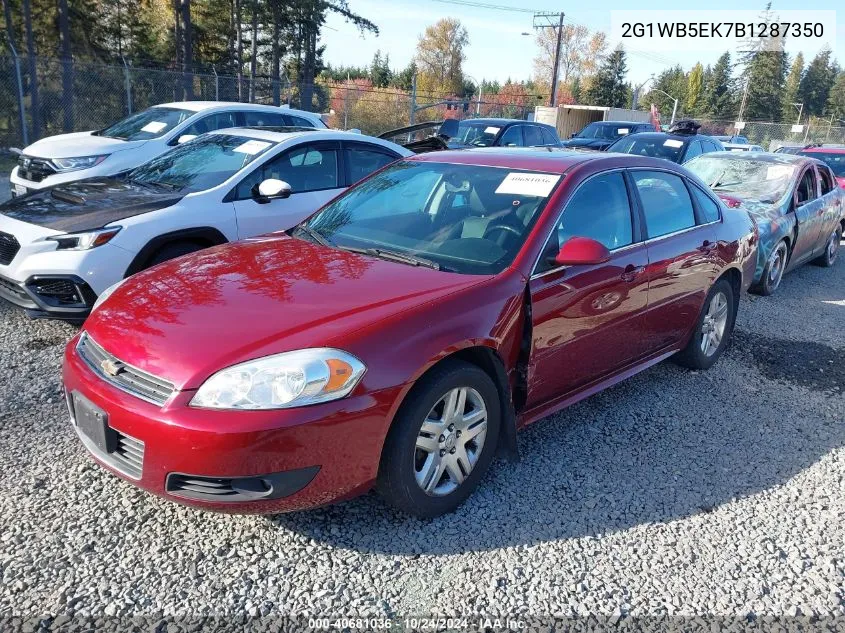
206	234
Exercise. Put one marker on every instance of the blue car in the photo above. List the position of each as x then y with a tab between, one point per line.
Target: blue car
794	200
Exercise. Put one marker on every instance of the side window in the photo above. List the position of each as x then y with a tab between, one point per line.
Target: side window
693	150
707	147
807	186
532	134
212	122
666	202
549	137
612	227
512	137
262	119
298	121
305	168
361	161
826	180
709	209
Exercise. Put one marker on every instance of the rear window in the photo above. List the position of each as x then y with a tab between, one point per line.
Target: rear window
668	148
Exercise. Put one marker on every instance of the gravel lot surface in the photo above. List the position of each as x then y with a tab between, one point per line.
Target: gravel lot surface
674	493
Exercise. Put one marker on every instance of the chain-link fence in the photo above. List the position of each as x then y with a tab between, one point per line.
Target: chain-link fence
46	96
770	136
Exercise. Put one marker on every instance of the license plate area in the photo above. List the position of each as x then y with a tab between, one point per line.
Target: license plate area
92	422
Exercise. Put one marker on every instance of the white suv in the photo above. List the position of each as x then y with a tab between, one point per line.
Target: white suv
138	138
62	247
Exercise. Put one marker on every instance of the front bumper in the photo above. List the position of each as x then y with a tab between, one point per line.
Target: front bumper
50	296
320	454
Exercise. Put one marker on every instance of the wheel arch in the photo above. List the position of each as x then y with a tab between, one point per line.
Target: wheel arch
204	235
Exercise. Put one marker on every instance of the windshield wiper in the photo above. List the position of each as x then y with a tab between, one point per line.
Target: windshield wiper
395	256
314	235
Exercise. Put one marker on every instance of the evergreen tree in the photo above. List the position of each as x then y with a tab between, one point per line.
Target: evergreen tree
765	73
575	90
816	83
608	87
836	98
791	91
718	100
380	73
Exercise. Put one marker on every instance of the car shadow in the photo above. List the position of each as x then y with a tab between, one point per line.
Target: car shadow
653	449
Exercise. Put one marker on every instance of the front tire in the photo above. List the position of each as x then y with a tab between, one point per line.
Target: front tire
441	442
831	249
713	328
773	272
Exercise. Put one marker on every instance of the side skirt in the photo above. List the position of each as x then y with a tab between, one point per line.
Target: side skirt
561	402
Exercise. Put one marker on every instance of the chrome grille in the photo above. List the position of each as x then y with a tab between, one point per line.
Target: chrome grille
130	379
9	247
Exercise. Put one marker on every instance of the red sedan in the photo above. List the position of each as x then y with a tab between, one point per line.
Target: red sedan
405	332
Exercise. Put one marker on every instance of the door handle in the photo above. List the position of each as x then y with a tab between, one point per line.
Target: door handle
631	272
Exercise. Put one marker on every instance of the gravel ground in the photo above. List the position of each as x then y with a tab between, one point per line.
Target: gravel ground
675	492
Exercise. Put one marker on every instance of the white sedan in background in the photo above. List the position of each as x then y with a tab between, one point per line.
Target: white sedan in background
62	247
138	138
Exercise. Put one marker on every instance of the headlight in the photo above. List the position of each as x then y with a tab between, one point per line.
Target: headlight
78	162
281	381
105	294
84	241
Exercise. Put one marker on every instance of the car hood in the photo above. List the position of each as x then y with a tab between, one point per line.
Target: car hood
78	144
190	317
588	143
87	204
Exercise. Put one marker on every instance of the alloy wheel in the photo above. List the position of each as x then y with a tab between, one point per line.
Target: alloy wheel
777	263
833	246
450	441
714	324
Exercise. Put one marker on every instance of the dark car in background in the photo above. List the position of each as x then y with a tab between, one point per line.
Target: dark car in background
600	135
433	136
680	144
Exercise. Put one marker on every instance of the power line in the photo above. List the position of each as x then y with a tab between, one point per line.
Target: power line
486	5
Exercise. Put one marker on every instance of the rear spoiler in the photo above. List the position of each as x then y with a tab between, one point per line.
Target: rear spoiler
431	143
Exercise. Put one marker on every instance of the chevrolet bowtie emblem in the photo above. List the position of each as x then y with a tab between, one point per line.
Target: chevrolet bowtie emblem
110	367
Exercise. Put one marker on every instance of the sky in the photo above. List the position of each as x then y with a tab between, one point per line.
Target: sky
498	50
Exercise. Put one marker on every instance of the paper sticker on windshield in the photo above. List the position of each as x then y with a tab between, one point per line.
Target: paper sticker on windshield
670	142
154	127
492	130
528	184
623	130
776	172
252	147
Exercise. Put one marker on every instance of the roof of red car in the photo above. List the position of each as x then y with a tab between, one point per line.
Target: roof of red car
551	160
825	150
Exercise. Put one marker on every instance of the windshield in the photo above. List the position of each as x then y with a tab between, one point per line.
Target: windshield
751	179
477	134
668	148
836	162
606	131
464	218
148	124
202	163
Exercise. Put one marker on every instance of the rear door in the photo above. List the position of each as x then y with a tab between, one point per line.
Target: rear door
588	320
512	137
362	159
832	201
809	210
682	254
313	170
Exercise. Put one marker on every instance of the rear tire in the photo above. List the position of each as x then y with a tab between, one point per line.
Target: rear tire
172	251
831	249
712	330
442	441
773	272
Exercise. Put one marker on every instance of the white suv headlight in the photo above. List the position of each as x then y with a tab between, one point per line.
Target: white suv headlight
78	162
282	381
83	241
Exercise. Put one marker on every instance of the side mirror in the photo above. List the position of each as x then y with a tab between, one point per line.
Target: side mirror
582	251
270	189
185	138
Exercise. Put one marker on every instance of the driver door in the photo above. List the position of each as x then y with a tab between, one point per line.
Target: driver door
808	208
589	321
314	174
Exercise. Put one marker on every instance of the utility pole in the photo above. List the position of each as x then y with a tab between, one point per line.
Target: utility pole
413	118
547	21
